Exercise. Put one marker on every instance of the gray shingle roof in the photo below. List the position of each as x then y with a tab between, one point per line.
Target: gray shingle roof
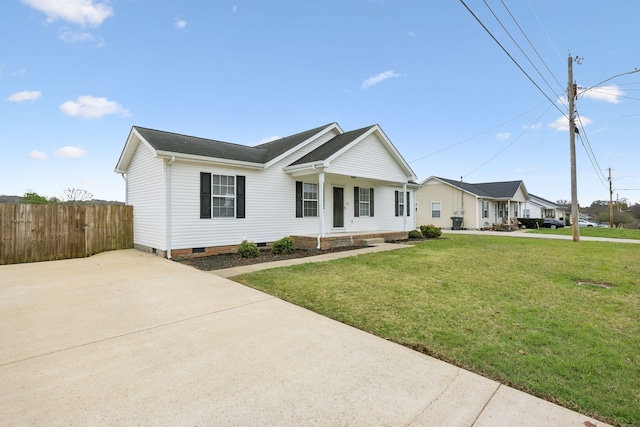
494	190
185	144
332	146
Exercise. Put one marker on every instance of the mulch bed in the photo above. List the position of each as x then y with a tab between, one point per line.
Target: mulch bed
222	261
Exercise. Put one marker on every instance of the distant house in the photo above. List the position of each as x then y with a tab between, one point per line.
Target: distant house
479	205
322	186
537	207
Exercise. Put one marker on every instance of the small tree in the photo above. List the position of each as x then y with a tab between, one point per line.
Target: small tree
33	198
77	195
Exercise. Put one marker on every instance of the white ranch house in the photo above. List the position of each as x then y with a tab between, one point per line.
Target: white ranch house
323	187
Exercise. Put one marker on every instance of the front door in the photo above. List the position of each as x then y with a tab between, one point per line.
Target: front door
338	207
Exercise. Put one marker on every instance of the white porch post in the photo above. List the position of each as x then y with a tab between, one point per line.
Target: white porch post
508	211
320	205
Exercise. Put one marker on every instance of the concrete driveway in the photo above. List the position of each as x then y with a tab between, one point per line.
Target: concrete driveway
127	338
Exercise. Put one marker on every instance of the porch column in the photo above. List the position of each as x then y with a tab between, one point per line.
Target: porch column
321	204
508	211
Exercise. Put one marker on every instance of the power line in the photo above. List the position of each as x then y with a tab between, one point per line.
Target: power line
477	135
582	134
534	49
512	59
526	129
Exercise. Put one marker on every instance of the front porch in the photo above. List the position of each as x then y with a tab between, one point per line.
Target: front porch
345	239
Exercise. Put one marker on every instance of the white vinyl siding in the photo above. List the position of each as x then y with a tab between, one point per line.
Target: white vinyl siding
358	161
145	179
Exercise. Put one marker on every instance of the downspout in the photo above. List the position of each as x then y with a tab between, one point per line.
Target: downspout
478	212
126	188
321	204
168	207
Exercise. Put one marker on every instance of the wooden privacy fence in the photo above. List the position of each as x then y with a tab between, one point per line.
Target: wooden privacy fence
31	233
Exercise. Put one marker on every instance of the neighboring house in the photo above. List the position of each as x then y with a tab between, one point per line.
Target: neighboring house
479	206
537	207
196	195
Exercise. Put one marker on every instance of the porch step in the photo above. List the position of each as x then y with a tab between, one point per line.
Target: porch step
373	241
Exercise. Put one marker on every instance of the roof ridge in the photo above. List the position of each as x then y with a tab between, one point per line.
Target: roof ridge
194	137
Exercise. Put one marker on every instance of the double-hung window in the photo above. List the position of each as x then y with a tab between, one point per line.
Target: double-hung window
306	199
485	209
310	199
362	201
222	196
436	209
401	202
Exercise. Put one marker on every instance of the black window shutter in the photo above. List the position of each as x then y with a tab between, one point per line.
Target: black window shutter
356	201
299	199
371	202
408	204
240	196
397	207
205	195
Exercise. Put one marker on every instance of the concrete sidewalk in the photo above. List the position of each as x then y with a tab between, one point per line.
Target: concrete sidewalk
127	338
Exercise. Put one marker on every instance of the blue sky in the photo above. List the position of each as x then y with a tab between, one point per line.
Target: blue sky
76	75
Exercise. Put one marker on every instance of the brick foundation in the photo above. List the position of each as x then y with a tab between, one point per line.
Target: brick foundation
302	242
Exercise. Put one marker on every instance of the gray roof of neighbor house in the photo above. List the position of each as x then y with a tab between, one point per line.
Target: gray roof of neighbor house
332	146
185	144
493	190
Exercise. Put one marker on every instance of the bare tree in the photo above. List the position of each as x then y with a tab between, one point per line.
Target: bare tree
77	195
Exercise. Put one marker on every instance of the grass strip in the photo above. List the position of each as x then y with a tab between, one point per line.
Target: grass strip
557	319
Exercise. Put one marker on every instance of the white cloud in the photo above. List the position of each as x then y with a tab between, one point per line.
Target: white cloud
503	136
374	80
81	12
70	36
26	95
89	107
37	155
268	139
610	94
180	23
72	152
533	127
562	123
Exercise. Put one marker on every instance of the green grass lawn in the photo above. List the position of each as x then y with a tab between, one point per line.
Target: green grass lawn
554	318
614	233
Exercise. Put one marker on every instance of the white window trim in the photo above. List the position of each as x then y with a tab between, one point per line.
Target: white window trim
367	192
226	196
439	210
305	200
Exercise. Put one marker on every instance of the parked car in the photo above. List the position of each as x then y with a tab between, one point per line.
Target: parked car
552	223
585	223
602	225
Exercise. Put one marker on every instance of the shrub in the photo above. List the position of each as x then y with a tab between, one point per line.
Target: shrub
248	249
531	223
430	231
286	245
415	234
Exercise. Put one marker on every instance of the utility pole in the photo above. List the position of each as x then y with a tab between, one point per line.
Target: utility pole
572	92
610	200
